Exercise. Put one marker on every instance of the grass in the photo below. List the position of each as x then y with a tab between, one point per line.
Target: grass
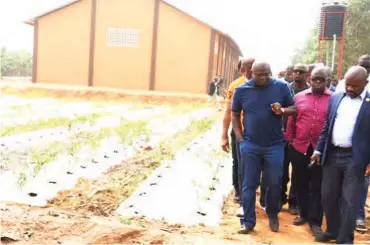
49	123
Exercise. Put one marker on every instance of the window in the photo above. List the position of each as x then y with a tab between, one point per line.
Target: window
128	38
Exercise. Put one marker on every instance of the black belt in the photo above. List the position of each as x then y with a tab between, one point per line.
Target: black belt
342	149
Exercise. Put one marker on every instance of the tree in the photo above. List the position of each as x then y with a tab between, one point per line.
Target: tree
308	53
357	40
16	63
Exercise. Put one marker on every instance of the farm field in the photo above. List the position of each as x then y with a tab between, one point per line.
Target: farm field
120	171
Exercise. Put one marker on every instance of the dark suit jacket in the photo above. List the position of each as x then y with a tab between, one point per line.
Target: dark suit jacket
361	133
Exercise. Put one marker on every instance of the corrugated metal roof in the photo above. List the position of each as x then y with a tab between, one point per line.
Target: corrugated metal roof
227	36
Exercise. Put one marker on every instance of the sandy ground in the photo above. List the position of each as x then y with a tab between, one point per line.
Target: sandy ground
23	224
77	216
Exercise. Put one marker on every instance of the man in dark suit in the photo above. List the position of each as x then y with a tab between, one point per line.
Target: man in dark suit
343	151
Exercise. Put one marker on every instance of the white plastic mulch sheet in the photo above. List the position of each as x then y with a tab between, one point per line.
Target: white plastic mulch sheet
64	172
189	190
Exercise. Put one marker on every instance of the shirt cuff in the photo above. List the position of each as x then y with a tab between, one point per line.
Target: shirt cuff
317	152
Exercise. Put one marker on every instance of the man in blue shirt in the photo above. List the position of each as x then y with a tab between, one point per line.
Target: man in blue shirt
264	101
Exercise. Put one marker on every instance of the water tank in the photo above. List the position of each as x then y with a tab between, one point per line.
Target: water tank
332	16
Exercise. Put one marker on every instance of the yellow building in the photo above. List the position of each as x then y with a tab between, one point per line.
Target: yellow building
130	44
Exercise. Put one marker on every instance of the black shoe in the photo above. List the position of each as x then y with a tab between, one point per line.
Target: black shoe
360	226
324	237
316	231
293	210
245	229
299	221
274	224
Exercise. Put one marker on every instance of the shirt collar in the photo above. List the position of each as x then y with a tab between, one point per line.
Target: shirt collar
361	96
326	92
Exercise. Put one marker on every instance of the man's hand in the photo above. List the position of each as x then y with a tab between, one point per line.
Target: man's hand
316	158
367	171
276	108
225	144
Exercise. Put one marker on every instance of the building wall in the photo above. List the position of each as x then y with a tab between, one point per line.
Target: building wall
182	56
215	55
123	67
63	45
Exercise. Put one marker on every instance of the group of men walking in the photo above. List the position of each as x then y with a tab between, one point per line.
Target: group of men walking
303	120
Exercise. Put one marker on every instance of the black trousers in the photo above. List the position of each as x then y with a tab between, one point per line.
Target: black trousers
234	152
291	198
308	186
342	185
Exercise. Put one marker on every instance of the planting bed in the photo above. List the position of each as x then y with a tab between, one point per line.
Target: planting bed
189	189
77	140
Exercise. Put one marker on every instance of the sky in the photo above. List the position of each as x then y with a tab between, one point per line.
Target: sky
269	30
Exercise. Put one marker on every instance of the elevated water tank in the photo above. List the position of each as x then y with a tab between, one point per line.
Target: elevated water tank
332	20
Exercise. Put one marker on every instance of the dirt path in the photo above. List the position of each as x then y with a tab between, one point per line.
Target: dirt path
53	225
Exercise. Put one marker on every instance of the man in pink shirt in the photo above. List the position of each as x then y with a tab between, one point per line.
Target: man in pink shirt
303	131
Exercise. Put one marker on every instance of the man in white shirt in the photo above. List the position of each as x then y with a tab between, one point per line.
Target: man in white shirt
343	151
363	61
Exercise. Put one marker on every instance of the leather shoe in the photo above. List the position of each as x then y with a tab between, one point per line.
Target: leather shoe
293	210
245	229
274	224
324	237
299	221
316	230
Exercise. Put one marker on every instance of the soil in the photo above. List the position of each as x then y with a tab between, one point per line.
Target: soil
54	225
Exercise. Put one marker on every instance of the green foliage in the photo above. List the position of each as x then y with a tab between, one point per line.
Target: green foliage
15	63
357	40
309	52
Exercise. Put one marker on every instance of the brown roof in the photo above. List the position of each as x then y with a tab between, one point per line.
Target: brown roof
226	36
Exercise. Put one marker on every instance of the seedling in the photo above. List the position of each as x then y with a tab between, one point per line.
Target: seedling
49	123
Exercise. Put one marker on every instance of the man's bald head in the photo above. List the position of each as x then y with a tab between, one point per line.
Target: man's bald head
364	61
326	71
356	80
260	65
363	57
247	66
356	71
261	73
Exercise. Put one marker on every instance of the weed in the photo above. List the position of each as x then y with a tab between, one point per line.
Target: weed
40	158
49	123
22	179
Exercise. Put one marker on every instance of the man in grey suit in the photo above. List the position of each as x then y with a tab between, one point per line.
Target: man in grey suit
343	151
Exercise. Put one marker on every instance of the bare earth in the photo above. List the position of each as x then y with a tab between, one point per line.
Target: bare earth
85	216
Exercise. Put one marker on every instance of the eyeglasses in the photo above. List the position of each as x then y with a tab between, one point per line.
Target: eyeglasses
318	80
299	71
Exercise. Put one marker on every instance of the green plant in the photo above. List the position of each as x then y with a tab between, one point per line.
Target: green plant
43	156
22	179
49	123
131	130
